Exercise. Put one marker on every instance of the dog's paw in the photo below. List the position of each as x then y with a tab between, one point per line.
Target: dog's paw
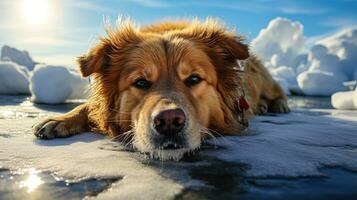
50	129
279	106
261	109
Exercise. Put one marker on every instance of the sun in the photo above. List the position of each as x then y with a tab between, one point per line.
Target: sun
35	11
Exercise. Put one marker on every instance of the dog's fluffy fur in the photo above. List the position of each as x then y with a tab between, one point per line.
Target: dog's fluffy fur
166	54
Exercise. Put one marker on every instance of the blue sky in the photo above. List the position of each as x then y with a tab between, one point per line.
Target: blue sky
56	31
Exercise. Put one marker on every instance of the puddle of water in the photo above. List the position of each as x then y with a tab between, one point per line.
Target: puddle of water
32	184
227	181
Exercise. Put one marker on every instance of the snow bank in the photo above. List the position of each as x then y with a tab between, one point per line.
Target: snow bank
13	78
344	45
281	44
354	97
320	83
55	84
345	100
19	57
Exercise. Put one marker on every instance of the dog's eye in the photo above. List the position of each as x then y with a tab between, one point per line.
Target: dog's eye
142	83
192	80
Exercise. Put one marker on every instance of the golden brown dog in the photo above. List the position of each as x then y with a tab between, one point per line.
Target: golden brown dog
167	86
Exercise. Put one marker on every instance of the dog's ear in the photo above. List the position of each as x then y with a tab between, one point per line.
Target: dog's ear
117	42
95	60
216	39
233	46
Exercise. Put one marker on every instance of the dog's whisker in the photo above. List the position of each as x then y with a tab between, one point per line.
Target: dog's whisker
221	136
211	137
122	135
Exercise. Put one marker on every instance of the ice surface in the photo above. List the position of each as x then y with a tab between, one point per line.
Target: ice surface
19	57
55	84
13	78
296	145
292	145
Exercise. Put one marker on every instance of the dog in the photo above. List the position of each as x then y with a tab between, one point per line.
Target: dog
165	87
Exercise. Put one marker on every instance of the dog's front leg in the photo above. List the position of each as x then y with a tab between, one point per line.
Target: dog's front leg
74	122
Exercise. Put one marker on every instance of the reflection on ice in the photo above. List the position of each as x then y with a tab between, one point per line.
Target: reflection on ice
33	180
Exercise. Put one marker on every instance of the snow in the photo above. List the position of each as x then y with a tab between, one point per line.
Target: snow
320	83
19	57
55	84
345	100
280	43
281	47
354	98
13	78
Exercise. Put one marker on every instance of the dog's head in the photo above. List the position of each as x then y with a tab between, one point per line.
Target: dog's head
166	87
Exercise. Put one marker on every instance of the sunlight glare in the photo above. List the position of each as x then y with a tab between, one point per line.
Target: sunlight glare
35	11
32	181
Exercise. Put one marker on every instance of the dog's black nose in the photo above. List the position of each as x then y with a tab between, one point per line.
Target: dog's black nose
170	122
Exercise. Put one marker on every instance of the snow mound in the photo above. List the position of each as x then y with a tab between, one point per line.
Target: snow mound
320	83
321	60
355	98
280	43
17	56
343	45
55	84
279	46
325	74
13	78
345	100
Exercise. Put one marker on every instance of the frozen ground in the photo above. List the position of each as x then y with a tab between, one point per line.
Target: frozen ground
310	154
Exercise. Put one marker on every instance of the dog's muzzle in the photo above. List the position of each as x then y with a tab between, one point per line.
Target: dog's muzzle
170	125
